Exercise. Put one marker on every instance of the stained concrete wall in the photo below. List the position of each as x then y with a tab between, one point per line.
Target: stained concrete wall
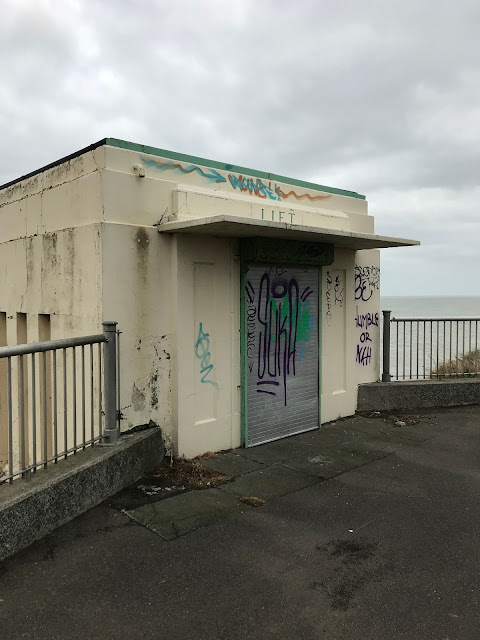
417	394
50	272
137	293
50	249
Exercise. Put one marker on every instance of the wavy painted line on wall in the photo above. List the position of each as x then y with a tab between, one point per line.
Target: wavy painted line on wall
302	196
259	188
214	176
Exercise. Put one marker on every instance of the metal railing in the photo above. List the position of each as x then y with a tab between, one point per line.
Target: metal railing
430	348
57	397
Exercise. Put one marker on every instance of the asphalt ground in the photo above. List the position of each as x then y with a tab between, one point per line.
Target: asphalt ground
369	528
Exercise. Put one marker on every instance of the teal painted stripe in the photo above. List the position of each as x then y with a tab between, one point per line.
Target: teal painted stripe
133	146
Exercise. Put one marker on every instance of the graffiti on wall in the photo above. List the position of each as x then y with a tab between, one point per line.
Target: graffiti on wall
367	282
364	321
334	294
261	190
280	322
256	187
328	298
202	353
211	175
339	290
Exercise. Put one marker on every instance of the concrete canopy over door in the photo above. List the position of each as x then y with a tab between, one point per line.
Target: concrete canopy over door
281	336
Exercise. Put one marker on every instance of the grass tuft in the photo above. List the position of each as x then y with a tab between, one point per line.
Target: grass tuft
466	365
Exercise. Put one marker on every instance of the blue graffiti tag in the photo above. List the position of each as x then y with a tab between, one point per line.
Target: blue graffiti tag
258	187
202	352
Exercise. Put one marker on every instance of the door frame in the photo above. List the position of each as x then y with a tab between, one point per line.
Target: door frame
289	253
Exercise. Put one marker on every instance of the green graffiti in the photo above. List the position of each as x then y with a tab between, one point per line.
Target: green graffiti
306	319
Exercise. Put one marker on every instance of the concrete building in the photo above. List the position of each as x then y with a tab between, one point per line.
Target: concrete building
248	302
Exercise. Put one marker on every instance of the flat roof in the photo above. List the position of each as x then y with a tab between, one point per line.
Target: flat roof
240	227
154	151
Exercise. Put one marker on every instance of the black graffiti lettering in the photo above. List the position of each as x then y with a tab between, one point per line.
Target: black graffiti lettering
262	314
338	292
277	335
367	281
276	271
328	297
293	295
366	320
364	355
251	334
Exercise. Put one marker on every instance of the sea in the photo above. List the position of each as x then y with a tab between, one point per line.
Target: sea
418	349
431	307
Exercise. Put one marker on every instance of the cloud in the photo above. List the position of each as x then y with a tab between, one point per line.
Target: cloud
375	97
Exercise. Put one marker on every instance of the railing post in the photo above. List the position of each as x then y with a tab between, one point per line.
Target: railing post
111	433
386	376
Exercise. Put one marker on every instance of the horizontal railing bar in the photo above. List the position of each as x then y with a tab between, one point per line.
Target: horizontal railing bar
439	319
50	345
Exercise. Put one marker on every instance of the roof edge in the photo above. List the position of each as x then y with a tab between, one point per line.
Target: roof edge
173	155
133	146
91	147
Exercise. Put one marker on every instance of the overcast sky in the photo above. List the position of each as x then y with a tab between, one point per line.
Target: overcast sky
379	96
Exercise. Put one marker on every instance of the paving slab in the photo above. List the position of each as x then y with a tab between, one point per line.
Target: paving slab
272	482
334	463
187	512
231	463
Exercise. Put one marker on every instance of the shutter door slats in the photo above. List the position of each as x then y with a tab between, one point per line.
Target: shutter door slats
282	351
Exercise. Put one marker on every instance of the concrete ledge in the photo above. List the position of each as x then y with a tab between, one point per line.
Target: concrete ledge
30	510
417	394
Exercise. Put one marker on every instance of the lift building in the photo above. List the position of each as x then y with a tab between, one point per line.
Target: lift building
248	302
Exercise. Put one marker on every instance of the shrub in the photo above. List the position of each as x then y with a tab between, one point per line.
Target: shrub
466	365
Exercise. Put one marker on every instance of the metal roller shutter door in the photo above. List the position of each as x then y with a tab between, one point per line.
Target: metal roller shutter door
282	357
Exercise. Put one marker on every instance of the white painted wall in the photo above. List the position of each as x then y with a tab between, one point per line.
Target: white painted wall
337	375
367	316
350	348
207	346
